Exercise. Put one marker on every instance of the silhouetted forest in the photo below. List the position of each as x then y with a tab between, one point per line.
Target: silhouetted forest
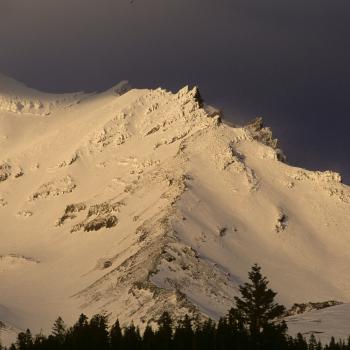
254	323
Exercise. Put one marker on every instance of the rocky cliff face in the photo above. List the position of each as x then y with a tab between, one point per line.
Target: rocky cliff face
131	202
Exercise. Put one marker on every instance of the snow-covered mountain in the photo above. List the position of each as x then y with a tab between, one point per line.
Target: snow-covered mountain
131	202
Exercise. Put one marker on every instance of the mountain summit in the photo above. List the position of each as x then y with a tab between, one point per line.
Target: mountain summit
132	202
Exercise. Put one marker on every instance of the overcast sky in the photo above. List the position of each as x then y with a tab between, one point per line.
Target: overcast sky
286	60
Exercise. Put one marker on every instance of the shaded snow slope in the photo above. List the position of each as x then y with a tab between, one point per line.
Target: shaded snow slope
136	201
330	322
8	332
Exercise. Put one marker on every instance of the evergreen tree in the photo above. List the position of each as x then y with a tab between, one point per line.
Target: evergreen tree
312	345
131	338
115	336
332	345
78	336
148	339
98	332
24	340
300	342
240	336
273	337
183	335
256	308
205	336
319	346
165	331
223	333
59	330
40	342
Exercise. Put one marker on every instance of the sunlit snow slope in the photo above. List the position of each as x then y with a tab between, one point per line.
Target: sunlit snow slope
136	201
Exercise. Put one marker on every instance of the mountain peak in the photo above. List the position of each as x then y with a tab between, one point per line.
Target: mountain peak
133	202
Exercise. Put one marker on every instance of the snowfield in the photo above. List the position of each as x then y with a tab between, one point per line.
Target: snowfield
324	324
131	201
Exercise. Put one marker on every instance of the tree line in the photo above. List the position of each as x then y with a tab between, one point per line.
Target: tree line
254	323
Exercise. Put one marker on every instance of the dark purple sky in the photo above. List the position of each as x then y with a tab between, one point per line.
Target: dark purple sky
288	61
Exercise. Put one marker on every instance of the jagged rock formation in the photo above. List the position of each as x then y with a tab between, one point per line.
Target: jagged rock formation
301	308
282	221
136	201
5	171
54	188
